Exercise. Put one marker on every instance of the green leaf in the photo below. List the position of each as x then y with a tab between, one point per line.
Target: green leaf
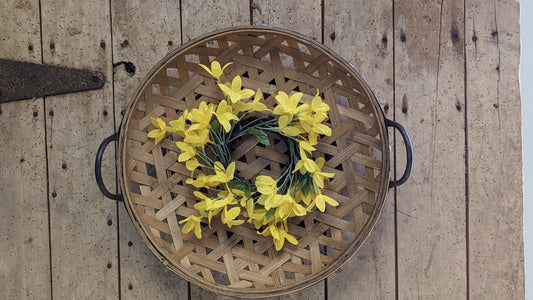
238	185
247	192
302	182
305	190
260	135
215	126
269	214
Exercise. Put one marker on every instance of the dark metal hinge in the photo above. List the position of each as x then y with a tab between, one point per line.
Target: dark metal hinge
22	80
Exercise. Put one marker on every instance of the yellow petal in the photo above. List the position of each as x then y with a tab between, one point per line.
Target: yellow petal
236	83
198	232
279	244
291	131
320	204
215	68
265	184
307	147
230	170
291	239
226	65
320	162
207	69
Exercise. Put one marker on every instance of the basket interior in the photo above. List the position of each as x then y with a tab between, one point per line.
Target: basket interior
238	261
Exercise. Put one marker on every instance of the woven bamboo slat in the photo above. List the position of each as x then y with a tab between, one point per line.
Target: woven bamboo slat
238	261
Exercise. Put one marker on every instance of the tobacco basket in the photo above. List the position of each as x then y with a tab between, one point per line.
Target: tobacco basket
238	261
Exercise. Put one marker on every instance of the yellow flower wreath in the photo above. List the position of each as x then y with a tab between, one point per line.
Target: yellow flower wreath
267	202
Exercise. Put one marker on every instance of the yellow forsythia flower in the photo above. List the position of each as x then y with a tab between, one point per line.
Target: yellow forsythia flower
234	91
306	146
279	234
187	151
305	164
225	114
288	105
179	124
224	175
201	116
193	222
267	187
215	70
319	107
192	164
321	200
197	138
318	175
161	130
252	106
228	216
283	123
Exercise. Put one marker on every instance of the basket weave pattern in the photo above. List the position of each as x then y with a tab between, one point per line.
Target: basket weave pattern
238	261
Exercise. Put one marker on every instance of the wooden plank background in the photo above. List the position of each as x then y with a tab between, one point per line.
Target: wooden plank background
446	70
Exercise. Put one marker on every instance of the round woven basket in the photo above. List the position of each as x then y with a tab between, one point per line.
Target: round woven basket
238	261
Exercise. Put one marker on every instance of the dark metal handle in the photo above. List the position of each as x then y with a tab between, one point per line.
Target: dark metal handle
408	149
98	168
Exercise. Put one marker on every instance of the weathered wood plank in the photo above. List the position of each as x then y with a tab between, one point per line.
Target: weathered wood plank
496	262
370	274
142	34
25	255
201	17
82	221
304	18
429	85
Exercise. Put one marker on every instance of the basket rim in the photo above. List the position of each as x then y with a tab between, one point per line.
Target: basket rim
340	260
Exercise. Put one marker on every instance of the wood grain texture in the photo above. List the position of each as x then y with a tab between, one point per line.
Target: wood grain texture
83	221
201	17
370	50
304	18
494	150
25	256
143	33
429	87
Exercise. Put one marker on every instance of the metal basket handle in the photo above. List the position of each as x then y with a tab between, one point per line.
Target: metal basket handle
409	151
98	168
